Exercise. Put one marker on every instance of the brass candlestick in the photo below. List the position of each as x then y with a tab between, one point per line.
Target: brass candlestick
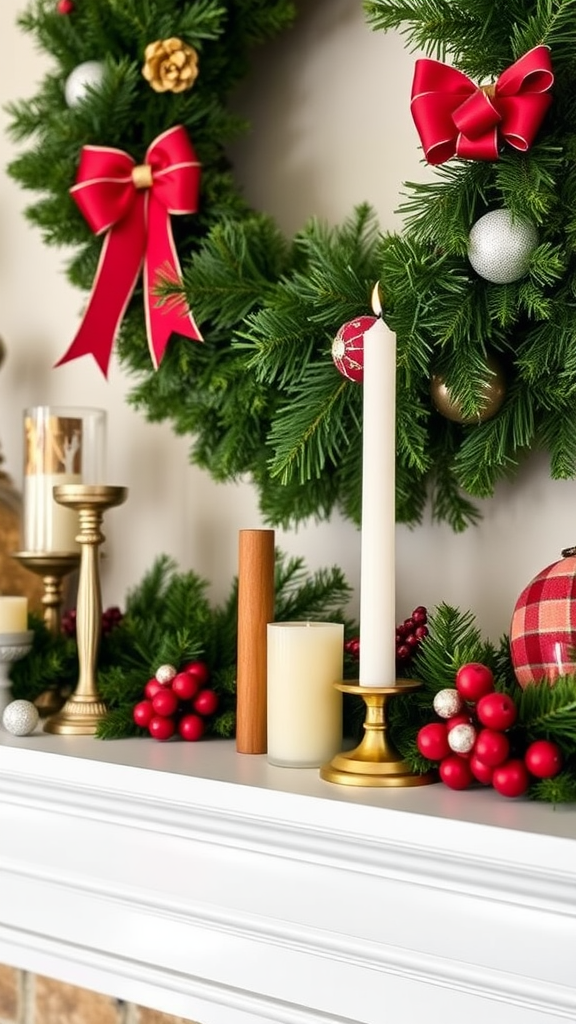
52	567
375	761
84	709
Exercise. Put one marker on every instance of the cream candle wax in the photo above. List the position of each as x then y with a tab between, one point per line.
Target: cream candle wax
13	614
304	717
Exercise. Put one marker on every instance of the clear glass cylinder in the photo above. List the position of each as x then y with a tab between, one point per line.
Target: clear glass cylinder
62	445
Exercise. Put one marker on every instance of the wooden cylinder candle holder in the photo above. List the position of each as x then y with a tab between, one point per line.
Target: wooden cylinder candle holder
255	611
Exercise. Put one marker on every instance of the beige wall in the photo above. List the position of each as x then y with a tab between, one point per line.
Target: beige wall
331	128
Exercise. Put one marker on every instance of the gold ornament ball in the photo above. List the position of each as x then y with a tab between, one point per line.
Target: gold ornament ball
494	395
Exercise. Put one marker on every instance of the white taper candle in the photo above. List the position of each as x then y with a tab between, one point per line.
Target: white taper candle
378	563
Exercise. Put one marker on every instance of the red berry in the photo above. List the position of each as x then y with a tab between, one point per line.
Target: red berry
473	680
455	772
143	712
420	615
206	702
491	747
412	640
199	669
432	741
152	688
403	652
543	759
482	772
65	6
511	778
496	711
185	685
420	632
191	727
460	719
161	728
165	703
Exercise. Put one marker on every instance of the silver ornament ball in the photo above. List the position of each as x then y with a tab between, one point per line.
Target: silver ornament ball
20	717
500	246
165	674
447	703
84	76
462	738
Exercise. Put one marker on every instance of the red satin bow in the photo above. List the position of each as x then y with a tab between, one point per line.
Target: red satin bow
455	117
133	204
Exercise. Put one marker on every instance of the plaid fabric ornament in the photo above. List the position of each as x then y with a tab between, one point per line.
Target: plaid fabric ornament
543	628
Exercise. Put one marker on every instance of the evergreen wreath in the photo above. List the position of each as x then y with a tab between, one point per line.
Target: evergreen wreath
261	397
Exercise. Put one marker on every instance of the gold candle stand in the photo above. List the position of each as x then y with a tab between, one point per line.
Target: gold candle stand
52	567
84	709
375	761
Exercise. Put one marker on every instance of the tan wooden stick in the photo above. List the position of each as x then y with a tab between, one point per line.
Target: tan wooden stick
255	610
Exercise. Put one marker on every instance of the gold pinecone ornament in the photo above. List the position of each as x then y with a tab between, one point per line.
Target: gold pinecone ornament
170	65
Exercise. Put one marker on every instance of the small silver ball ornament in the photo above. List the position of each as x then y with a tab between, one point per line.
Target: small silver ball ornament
500	246
462	738
20	717
165	674
84	76
447	703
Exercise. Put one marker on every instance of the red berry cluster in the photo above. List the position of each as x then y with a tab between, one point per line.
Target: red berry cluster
409	635
177	702
110	619
472	742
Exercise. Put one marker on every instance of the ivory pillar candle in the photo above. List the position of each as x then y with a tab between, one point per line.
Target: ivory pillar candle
13	614
255	611
305	659
61	446
378	562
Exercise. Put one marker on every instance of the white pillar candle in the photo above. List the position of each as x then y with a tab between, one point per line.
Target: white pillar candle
304	661
13	614
378	563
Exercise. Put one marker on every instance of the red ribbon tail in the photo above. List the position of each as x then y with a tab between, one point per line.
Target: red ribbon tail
114	282
172	316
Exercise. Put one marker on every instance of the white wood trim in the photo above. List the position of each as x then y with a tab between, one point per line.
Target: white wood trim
214	886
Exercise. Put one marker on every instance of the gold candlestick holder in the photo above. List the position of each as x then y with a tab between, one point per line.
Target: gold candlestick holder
375	761
84	709
52	567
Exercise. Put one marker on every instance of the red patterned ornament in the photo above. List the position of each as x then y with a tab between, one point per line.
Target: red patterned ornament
543	628
348	347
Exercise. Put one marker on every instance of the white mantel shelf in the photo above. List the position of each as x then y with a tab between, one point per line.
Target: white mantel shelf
210	885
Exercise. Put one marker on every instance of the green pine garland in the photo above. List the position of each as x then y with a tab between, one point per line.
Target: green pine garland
168	619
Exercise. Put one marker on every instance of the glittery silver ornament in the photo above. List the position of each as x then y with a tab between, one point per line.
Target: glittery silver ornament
500	246
165	674
20	717
447	703
462	738
84	76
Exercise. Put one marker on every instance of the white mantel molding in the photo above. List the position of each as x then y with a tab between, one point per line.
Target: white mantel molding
216	887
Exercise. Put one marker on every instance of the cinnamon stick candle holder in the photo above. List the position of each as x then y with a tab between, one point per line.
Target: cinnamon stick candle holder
255	611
